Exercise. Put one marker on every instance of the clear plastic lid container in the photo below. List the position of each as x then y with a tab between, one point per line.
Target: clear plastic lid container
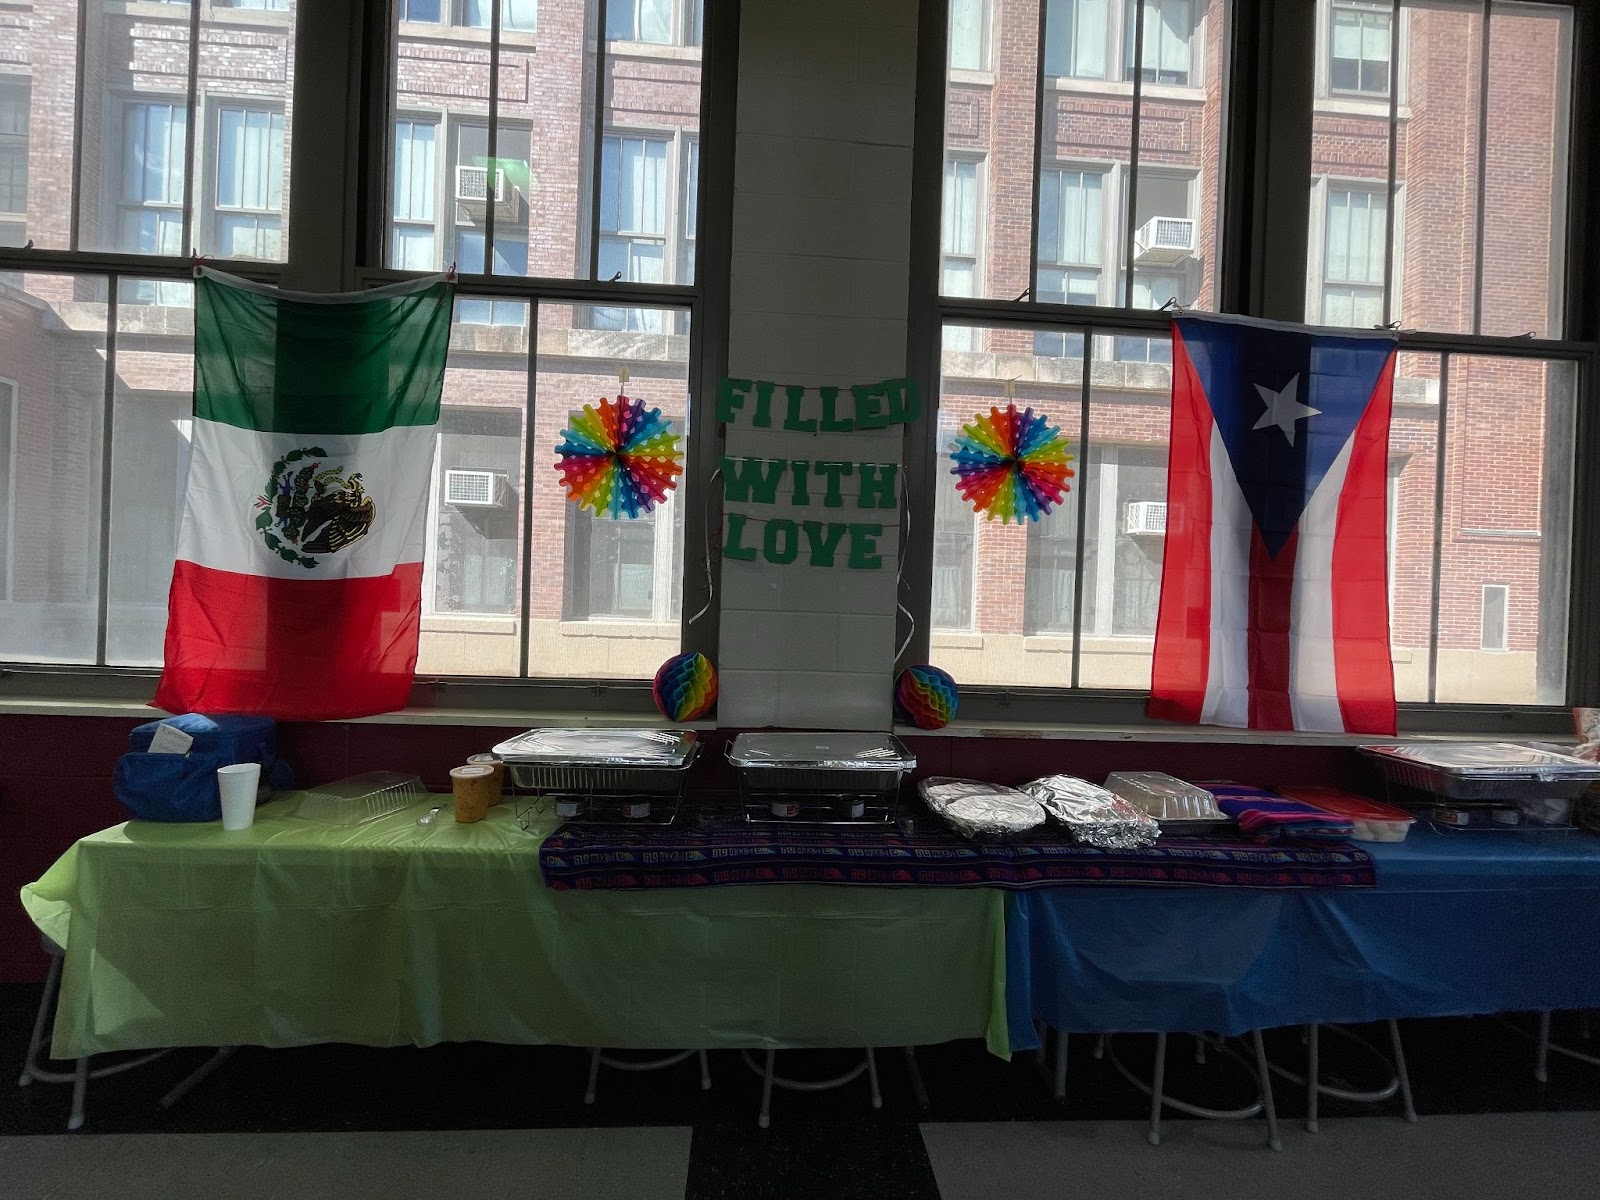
1165	797
600	747
360	798
822	751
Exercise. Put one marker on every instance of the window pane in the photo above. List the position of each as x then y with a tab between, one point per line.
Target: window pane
607	593
1413	470
472	565
152	427
1002	598
1516	532
133	158
1080	151
1525	170
53	355
1438	270
539	188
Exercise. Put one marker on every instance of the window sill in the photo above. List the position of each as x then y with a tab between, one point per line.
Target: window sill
1191	93
469	623
963	75
653	50
1162	732
623	630
1350	106
944	639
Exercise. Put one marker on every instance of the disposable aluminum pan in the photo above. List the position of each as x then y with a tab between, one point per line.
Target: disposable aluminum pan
1485	770
832	763
600	761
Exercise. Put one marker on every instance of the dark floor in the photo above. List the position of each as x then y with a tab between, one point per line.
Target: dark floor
1463	1066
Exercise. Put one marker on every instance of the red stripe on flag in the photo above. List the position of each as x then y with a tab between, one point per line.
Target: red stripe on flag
1362	662
1183	620
294	649
1268	641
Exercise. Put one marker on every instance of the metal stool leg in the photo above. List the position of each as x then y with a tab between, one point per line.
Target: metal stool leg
1541	1057
1199	1049
594	1076
1156	1087
1313	1077
1061	1065
1099	1047
51	983
765	1119
198	1076
872	1079
1408	1107
705	1072
918	1088
80	1085
1273	1140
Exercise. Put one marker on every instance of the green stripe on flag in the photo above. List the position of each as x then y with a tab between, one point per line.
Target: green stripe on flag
269	362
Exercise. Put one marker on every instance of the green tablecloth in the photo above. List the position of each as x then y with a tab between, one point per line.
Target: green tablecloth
294	933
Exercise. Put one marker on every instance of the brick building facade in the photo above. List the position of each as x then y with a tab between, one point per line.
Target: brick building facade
603	597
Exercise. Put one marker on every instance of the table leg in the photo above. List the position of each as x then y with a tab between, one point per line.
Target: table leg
1155	1091
1313	1076
1273	1140
1541	1057
705	1072
198	1076
1061	1065
765	1118
80	1085
594	1076
1408	1107
918	1088
1199	1049
872	1079
46	1007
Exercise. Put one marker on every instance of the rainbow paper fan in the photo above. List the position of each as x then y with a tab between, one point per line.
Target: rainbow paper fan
619	460
1011	465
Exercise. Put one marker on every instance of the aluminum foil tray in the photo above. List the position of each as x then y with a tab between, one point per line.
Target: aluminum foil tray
1484	770
1168	799
983	811
1093	815
832	763
600	761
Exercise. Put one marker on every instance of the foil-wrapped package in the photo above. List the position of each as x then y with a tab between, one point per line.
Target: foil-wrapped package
982	811
1093	815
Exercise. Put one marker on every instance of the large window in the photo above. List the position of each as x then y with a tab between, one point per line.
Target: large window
1438	202
521	188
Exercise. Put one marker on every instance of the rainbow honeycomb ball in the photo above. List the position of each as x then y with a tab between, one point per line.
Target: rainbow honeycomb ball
927	696
686	686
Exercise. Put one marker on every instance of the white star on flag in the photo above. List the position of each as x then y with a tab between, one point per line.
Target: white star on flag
1283	410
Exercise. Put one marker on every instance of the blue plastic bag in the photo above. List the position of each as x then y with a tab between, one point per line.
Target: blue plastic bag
183	787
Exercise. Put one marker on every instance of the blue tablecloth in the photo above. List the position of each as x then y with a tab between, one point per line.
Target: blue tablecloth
1459	923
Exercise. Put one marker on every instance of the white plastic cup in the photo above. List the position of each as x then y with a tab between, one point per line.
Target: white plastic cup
239	785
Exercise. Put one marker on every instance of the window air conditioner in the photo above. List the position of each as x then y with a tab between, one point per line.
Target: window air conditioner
1164	241
475	489
1145	516
472	188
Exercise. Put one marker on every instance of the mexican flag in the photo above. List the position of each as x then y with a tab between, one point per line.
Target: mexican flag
297	590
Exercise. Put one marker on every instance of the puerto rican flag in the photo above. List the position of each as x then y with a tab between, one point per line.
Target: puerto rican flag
1274	590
